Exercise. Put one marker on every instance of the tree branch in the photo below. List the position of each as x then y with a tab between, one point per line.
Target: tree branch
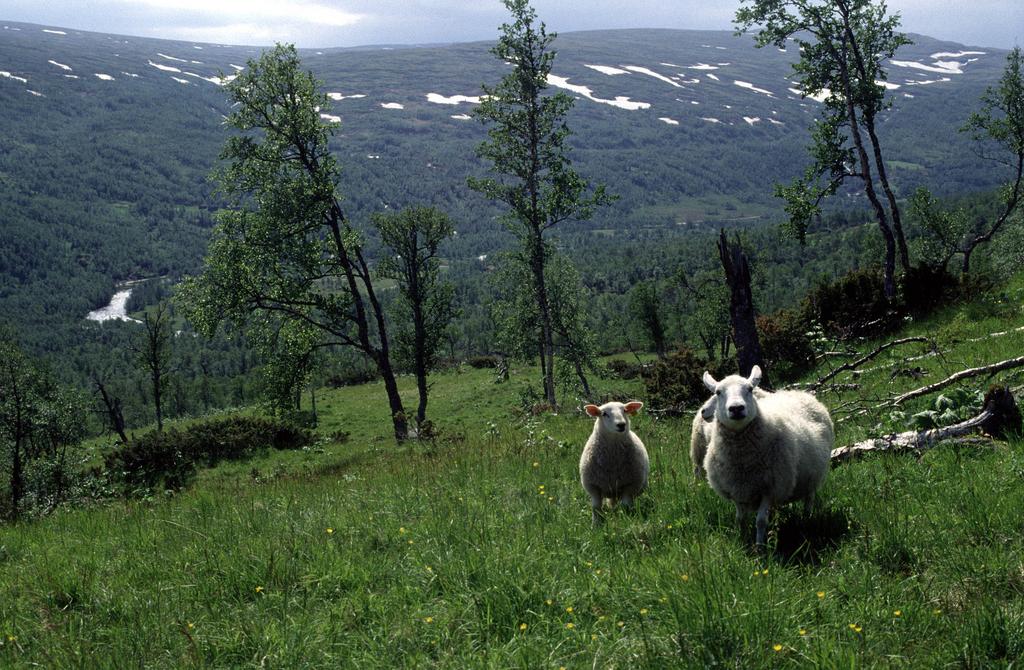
963	374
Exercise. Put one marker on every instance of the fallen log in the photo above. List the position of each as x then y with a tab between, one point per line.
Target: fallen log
963	374
999	417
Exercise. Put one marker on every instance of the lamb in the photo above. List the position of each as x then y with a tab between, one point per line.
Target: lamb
614	463
701	431
766	451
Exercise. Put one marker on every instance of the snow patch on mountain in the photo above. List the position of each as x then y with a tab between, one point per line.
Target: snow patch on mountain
748	85
180	60
819	97
925	82
4	73
940	66
104	77
958	54
392	105
709	119
330	118
165	68
54	32
339	96
621	101
60	65
439	99
671	122
462	117
651	73
608	70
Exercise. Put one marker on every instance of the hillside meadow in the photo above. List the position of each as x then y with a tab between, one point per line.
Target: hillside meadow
476	549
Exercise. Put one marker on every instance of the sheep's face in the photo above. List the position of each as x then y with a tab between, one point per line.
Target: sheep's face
735	406
613	417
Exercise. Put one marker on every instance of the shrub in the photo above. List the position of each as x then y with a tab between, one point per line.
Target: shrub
786	344
167	460
674	384
853	305
483	361
925	288
624	369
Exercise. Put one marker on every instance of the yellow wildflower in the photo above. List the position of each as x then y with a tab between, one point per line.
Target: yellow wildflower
330	531
821	594
570	625
777	647
522	626
259	589
897	612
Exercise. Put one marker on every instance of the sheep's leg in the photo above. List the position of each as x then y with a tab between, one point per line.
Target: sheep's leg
596	500
741	516
627	502
762	521
809	504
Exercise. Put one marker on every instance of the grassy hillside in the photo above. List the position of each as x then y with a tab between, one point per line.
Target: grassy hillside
477	550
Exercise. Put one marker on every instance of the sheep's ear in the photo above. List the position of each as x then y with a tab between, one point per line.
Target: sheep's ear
633	407
755	375
710	382
592	410
707	410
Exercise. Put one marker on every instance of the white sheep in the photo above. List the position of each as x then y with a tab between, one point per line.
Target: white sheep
766	451
614	463
701	431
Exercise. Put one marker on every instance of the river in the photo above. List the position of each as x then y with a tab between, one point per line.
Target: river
115	311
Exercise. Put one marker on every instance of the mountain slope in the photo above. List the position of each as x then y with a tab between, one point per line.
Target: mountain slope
108	140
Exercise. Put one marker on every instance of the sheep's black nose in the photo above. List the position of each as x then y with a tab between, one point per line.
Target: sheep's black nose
737	411
621	426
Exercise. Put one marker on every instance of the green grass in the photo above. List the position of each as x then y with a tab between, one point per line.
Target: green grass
477	550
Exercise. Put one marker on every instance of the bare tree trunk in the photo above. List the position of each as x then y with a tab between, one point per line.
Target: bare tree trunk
114	413
17	477
869	124
741	307
547	336
380	355
866	176
583	379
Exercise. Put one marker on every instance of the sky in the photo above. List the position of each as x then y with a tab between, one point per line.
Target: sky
340	23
